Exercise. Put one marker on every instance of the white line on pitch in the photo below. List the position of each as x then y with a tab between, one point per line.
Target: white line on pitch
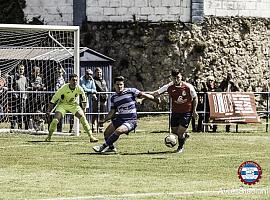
241	191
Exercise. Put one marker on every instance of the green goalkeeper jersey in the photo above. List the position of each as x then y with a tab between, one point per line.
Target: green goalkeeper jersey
68	96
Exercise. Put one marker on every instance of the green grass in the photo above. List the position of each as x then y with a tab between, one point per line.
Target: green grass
145	168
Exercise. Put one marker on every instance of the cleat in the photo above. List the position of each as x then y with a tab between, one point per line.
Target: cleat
48	139
179	150
99	149
93	139
109	150
186	135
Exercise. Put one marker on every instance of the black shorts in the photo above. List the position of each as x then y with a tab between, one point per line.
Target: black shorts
182	119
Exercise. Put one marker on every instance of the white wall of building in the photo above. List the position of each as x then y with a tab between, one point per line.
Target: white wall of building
60	12
247	8
148	10
52	12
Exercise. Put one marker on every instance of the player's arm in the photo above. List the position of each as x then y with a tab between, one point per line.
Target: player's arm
194	97
56	97
58	94
83	98
108	117
50	108
144	95
194	107
161	90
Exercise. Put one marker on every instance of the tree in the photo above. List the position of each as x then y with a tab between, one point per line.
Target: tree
11	11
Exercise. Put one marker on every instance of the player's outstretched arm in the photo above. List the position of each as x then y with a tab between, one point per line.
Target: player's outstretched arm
150	97
161	90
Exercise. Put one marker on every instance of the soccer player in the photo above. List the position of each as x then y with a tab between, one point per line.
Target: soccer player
65	98
123	102
184	105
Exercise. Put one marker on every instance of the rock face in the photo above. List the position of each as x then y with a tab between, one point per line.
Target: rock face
145	52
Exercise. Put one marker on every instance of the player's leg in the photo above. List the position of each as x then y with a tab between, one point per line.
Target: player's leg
81	116
179	124
57	117
107	133
71	123
121	128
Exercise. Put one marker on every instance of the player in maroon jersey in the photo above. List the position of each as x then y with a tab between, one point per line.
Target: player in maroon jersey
184	104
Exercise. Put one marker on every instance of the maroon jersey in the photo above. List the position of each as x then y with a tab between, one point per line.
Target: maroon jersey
182	97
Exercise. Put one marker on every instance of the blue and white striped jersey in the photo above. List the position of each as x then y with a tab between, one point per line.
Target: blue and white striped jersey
125	104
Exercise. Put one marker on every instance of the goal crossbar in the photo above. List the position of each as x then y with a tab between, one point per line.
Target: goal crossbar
38	27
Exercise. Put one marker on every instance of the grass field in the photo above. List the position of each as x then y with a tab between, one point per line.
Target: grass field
67	168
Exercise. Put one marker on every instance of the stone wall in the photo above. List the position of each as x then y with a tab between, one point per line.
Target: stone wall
145	53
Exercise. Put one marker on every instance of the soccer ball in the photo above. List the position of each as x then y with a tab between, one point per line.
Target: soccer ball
170	140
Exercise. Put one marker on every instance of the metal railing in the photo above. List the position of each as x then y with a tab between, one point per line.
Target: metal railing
89	113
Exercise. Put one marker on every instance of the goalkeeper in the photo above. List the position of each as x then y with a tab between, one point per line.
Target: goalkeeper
66	98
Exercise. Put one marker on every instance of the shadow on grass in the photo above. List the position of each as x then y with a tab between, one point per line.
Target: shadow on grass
147	153
95	153
160	131
128	154
42	141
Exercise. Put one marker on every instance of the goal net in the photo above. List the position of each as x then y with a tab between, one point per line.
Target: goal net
34	61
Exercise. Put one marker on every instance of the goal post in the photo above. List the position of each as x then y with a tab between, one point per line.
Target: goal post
45	52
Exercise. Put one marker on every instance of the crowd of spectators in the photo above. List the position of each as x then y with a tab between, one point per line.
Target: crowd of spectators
211	85
27	103
29	98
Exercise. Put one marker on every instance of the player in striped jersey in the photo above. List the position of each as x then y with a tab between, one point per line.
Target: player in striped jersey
66	100
124	104
184	105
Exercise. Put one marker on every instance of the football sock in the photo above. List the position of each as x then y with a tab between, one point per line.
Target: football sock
85	125
105	138
53	125
181	142
113	138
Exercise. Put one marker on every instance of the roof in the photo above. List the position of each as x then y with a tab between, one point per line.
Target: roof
91	55
49	53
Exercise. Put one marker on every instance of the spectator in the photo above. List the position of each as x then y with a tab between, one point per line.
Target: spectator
228	85
88	84
198	86
3	94
19	82
210	87
99	104
60	78
36	100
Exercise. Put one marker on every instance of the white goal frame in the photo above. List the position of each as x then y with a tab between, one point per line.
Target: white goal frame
76	52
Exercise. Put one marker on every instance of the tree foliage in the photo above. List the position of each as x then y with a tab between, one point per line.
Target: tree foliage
11	11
